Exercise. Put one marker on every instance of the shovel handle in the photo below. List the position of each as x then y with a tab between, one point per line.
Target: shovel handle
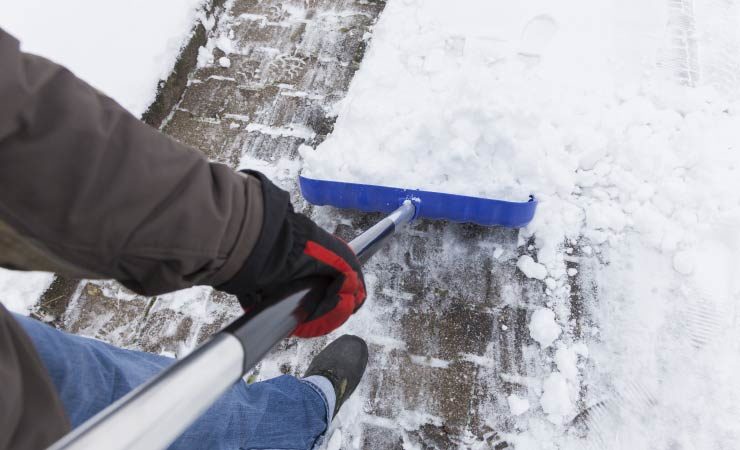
153	415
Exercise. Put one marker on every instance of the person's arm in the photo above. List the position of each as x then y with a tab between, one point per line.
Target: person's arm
87	190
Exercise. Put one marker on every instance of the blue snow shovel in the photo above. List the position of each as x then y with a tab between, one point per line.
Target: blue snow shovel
153	415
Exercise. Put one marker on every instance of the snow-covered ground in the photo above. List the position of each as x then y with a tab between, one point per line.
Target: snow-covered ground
122	48
623	118
20	291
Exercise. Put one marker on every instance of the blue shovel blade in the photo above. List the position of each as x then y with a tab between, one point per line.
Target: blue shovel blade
431	205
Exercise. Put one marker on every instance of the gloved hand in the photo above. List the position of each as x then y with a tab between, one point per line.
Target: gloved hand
292	247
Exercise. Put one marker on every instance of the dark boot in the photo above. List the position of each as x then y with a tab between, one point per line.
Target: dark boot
342	362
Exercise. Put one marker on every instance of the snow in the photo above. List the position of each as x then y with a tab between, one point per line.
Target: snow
623	119
566	360
543	328
19	291
551	283
556	398
530	268
122	48
517	405
335	442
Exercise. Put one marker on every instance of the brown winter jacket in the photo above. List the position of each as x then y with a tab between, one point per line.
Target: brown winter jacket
89	191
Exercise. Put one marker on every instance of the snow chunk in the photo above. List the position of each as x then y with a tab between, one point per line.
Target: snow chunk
205	57
517	405
225	44
543	328
566	360
530	268
581	349
224	62
551	283
498	252
555	400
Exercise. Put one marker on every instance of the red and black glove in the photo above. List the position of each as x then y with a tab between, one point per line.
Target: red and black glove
291	247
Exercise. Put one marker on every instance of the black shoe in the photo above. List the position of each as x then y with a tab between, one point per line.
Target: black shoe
342	362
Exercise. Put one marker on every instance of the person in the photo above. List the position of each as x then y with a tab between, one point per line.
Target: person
89	191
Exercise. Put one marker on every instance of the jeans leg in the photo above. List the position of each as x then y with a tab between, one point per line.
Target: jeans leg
281	413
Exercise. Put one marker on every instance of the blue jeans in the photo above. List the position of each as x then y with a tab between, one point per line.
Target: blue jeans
281	413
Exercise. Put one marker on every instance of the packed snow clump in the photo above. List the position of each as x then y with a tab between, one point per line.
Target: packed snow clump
567	360
556	398
543	328
530	268
517	405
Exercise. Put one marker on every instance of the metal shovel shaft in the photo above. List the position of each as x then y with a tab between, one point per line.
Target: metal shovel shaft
153	415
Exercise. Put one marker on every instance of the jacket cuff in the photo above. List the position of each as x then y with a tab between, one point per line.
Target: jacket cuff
275	206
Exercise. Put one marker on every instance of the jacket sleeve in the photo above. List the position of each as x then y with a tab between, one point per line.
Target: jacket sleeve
88	190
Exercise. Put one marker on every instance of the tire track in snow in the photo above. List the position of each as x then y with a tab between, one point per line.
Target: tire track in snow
719	40
682	50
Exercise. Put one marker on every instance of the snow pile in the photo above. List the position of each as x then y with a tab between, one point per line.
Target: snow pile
121	48
461	100
631	146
